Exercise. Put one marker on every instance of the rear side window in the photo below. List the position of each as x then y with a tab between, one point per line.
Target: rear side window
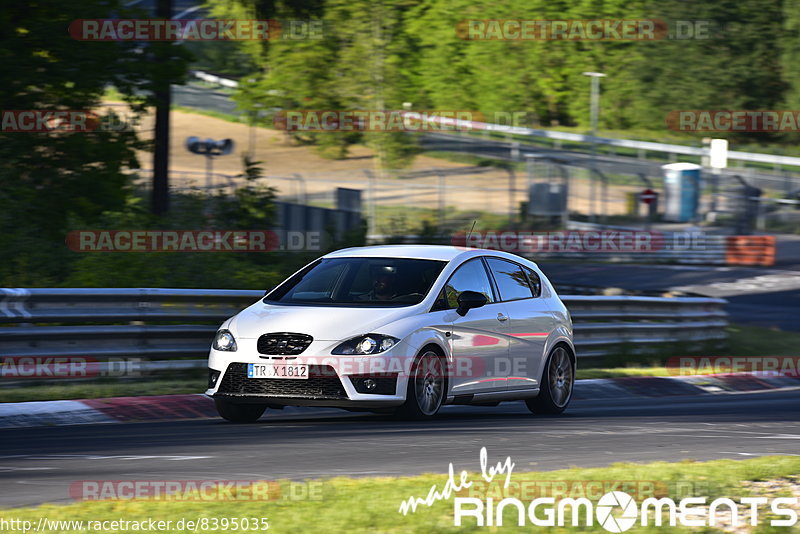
512	282
536	283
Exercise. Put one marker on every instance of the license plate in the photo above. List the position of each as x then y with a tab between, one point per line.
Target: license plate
277	370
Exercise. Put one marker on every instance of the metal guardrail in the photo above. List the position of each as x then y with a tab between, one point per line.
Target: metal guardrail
675	247
602	323
646	146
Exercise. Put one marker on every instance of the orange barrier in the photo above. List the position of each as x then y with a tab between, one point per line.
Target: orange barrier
750	250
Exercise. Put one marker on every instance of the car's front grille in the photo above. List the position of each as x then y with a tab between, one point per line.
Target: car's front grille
283	343
322	383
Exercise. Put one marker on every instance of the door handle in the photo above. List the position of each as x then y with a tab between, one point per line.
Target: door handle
501	317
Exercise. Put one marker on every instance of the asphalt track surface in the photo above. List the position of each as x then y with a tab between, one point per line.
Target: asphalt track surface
39	464
757	296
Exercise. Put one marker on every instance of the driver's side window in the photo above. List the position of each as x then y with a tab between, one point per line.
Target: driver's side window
470	276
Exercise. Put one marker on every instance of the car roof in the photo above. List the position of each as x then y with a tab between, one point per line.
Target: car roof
426	252
423	252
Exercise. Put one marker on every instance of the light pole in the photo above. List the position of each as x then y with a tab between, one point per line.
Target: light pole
209	148
594	114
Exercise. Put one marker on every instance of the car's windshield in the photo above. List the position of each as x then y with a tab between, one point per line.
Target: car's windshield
360	282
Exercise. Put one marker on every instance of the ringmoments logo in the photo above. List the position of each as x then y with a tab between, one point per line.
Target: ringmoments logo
617	511
614	511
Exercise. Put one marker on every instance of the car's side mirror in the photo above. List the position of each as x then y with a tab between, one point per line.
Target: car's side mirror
468	300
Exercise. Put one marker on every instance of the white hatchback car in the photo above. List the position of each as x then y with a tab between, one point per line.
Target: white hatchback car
398	328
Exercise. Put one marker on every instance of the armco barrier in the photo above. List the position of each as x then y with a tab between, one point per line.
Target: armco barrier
704	249
103	324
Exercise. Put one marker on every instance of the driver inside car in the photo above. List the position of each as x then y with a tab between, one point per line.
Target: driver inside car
384	283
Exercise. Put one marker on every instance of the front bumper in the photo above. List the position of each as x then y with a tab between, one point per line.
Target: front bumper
334	380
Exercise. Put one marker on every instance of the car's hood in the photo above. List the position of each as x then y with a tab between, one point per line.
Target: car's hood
321	323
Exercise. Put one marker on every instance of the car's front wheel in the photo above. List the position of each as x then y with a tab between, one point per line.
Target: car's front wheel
558	379
426	386
238	413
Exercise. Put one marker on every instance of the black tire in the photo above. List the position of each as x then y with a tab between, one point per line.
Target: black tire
239	413
558	381
427	386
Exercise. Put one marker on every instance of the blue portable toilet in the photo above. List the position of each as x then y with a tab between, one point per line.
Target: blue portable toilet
681	191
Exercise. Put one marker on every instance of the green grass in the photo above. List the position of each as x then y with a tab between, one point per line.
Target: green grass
369	505
98	390
469	159
745	340
619	372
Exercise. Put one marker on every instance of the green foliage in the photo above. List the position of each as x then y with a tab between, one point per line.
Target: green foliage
49	179
361	62
377	55
250	207
790	53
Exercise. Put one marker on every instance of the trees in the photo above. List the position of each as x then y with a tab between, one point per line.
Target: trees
380	54
48	180
362	60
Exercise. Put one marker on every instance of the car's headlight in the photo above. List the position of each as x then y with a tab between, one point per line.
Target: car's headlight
368	344
224	340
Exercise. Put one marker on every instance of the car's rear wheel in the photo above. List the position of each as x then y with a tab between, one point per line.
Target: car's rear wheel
558	380
239	413
426	386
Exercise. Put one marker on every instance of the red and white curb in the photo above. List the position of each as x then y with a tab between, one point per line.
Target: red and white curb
126	410
184	407
49	413
670	386
111	410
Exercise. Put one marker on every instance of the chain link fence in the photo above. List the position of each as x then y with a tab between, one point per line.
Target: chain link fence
541	191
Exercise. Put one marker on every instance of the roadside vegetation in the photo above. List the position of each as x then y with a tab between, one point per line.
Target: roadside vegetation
368	505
